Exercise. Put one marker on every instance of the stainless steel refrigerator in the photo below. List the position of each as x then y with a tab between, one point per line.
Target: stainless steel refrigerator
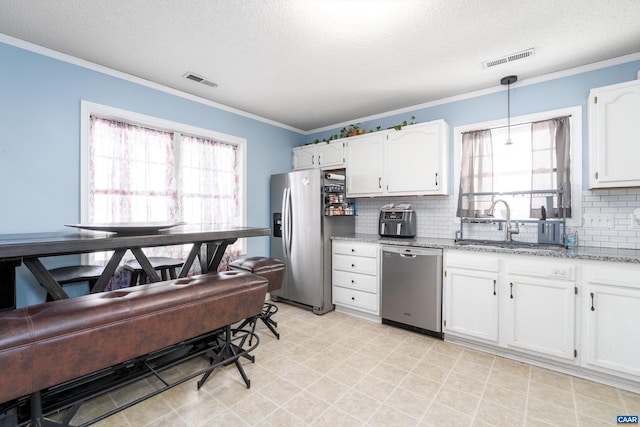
301	233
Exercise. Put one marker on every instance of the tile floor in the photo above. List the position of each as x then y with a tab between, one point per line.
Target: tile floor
337	370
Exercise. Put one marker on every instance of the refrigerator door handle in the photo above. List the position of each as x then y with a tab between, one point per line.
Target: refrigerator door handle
286	222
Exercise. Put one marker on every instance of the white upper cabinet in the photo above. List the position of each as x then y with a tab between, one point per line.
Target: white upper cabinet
319	156
411	161
365	165
614	136
417	159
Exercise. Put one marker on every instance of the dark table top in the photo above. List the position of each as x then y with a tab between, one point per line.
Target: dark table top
83	241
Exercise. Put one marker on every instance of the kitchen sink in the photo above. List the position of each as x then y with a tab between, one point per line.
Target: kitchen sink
513	245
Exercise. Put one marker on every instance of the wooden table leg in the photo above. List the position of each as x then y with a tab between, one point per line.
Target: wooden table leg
146	265
215	252
45	278
193	253
108	271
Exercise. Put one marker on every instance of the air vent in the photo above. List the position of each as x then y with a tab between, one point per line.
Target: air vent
509	58
198	79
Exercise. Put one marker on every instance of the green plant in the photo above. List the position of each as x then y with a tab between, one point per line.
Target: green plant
353	130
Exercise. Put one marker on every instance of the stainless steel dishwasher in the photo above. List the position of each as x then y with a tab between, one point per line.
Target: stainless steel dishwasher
412	288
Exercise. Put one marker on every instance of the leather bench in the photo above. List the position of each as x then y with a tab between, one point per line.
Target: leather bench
47	344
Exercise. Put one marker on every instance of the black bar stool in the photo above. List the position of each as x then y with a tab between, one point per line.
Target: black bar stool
76	274
271	269
166	266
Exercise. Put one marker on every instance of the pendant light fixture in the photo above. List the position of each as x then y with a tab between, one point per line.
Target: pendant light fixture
509	80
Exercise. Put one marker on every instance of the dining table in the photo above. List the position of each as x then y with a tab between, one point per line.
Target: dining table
209	243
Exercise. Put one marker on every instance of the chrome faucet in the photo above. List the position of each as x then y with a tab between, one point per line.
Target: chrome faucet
509	230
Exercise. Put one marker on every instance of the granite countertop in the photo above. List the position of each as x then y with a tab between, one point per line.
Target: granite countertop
580	253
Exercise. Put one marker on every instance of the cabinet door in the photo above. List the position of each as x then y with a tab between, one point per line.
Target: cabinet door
415	160
305	157
471	309
365	165
614	126
612	333
331	155
541	316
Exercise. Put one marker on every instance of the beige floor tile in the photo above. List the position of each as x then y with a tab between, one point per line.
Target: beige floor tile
280	390
477	357
472	370
512	367
131	392
254	408
346	373
375	387
196	410
388	416
551	378
280	418
599	409
597	391
116	420
442	360
365	363
358	404
631	401
390	373
550	413
328	389
226	419
169	420
586	421
462	383
514	383
401	360
306	406
505	398
498	415
440	415
421	385
412	404
148	411
428	370
458	400
334	417
553	395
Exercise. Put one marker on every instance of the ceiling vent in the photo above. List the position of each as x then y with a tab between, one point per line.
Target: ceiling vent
509	58
198	79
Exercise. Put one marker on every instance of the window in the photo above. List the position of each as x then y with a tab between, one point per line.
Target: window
138	168
530	163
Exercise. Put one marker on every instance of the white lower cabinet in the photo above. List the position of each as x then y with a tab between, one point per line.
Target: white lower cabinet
580	315
611	316
540	308
471	296
355	277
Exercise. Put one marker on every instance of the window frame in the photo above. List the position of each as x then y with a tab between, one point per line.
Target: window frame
576	151
88	109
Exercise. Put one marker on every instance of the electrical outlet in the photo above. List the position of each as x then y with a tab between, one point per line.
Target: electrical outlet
635	219
598	220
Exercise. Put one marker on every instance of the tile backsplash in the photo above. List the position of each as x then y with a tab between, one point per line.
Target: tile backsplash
606	219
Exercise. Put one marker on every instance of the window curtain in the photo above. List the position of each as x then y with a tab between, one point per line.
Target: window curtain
551	166
210	185
476	173
131	174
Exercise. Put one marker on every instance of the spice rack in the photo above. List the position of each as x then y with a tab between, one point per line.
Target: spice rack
335	199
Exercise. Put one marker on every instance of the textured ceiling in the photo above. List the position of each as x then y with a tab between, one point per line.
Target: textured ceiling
313	63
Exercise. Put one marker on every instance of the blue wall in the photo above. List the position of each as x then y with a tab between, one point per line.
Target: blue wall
544	96
40	144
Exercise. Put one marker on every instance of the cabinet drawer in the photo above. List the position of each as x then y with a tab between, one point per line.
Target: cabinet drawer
356	248
542	269
356	264
469	260
362	282
356	299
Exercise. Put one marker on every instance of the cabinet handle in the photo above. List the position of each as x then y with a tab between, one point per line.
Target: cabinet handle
494	286
353	298
353	266
511	296
592	307
436	179
353	250
319	159
353	281
313	159
379	182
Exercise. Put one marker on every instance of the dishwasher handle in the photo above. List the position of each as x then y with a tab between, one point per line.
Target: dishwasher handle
411	251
